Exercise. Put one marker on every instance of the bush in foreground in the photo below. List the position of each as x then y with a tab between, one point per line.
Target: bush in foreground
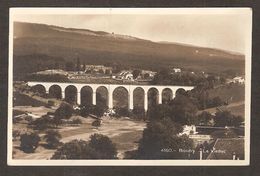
99	147
103	145
52	138
96	123
29	142
161	141
65	111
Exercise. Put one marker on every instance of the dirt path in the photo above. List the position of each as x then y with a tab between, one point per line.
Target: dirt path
35	112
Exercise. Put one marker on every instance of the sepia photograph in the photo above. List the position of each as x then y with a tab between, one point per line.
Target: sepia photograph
129	86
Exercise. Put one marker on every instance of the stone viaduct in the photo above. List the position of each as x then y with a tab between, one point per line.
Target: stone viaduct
110	89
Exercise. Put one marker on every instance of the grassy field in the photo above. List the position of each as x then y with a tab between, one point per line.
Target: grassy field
237	108
123	132
235	92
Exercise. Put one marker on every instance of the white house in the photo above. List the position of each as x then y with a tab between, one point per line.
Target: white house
126	75
188	130
176	70
237	79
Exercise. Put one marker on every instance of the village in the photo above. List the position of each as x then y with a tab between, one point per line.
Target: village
106	74
82	121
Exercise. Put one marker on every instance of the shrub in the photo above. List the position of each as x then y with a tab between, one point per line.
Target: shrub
65	111
122	112
76	121
92	109
226	118
99	110
160	136
103	145
17	119
16	134
76	149
139	113
41	123
99	147
52	138
17	112
29	142
84	112
96	123
28	118
205	118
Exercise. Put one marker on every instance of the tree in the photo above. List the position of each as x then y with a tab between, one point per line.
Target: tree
103	145
84	112
84	66
205	118
225	118
47	78
46	121
75	149
122	112
136	73
183	110
29	142
16	134
139	112
160	112
76	121
52	138
78	64
160	137
69	66
96	123
56	120
97	110
65	111
99	147
42	123
146	75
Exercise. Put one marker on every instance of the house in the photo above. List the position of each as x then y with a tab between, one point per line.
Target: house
98	69
176	70
150	73
125	75
237	79
188	130
146	74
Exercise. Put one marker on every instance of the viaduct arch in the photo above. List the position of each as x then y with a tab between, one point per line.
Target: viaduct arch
110	89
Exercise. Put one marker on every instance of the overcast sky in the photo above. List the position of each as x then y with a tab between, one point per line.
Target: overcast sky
215	30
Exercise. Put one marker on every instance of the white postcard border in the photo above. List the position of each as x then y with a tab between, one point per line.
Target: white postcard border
25	10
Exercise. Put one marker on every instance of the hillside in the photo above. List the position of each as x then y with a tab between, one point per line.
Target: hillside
99	47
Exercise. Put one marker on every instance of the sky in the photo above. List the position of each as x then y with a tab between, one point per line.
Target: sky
222	31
